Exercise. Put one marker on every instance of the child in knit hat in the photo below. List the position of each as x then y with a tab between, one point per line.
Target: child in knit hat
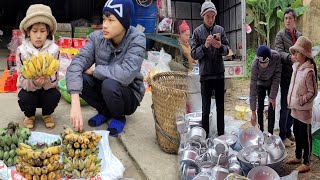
265	78
302	91
114	87
38	27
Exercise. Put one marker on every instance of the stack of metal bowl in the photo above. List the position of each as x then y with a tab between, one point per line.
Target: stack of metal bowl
260	149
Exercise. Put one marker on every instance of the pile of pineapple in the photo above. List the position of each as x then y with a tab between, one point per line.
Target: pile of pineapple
39	66
10	138
40	162
80	153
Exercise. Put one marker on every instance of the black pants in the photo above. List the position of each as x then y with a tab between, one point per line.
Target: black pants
271	113
285	121
46	99
302	133
207	87
109	97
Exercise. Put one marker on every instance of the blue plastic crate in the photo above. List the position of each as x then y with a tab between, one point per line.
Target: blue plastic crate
145	12
148	24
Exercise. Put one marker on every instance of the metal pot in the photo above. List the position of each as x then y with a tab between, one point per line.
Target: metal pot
182	126
230	139
202	176
194	119
219	173
189	157
256	155
235	168
219	149
263	172
247	166
197	134
188	172
274	146
250	137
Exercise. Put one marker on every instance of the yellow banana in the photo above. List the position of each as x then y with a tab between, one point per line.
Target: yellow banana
40	58
57	64
51	68
34	60
32	68
25	74
51	58
44	66
46	55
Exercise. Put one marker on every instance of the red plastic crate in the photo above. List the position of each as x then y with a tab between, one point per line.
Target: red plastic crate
79	42
64	42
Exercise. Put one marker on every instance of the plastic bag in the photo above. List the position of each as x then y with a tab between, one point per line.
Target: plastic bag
146	68
213	132
65	60
163	65
292	176
111	167
165	25
15	43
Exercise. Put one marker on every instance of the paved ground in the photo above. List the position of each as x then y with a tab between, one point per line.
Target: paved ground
136	148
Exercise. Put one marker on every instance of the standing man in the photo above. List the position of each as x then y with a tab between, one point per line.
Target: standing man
284	40
209	45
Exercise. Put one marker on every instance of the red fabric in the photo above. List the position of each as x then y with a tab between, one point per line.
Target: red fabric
183	26
293	35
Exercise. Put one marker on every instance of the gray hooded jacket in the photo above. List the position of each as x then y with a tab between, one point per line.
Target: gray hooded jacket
122	64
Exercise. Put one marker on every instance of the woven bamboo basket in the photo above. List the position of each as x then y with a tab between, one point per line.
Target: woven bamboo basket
169	97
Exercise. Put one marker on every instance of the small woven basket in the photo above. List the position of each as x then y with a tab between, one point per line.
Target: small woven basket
169	97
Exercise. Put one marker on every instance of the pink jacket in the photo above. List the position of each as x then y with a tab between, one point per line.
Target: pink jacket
302	91
26	50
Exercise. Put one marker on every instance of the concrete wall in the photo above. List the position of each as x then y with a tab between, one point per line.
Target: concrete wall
308	23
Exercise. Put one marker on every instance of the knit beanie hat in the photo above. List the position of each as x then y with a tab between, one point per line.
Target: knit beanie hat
263	54
122	9
38	13
206	7
183	26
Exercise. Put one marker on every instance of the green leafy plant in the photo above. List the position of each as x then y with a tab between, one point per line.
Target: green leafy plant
296	5
264	14
251	54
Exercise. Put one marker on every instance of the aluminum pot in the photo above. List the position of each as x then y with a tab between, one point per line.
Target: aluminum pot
256	155
263	172
235	168
189	157
202	176
219	173
194	119
188	172
219	149
197	134
230	139
250	137
274	146
247	166
182	126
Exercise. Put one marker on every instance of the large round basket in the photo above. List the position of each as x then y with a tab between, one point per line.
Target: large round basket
169	97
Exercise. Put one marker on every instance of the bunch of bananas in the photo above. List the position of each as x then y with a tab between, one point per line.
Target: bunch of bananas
10	138
71	51
39	162
39	66
80	153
